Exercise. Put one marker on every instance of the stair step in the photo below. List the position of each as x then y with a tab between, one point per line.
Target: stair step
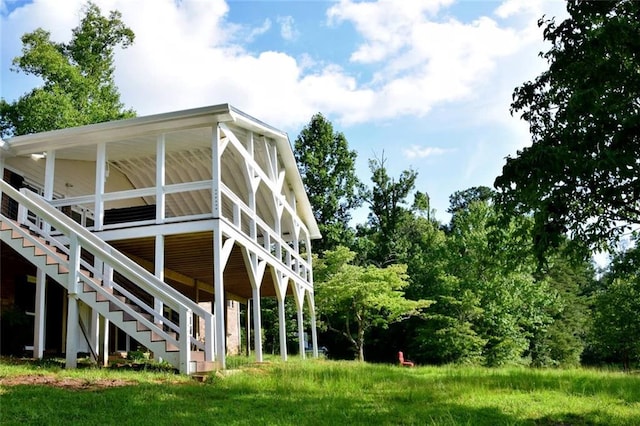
52	255
205	366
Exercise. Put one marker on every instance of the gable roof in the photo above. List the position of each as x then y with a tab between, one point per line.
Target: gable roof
74	138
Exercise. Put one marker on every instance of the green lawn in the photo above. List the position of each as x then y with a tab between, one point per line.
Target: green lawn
320	393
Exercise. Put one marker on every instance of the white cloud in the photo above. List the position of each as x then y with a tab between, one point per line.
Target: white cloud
258	31
188	54
417	151
288	29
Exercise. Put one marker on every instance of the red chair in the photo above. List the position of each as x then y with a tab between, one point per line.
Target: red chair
402	361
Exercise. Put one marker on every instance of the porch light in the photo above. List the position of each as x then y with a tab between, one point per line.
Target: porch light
38	156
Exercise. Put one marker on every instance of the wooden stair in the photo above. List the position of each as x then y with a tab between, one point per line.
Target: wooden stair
134	319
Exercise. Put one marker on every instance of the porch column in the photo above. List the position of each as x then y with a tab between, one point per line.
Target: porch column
257	323
301	347
281	281
41	277
39	326
248	327
299	296
218	263
282	328
73	318
218	286
94	334
107	278
101	176
314	332
158	306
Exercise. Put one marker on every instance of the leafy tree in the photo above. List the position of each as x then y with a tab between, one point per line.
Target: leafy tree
562	342
581	172
461	200
616	324
78	86
488	302
327	167
388	206
361	297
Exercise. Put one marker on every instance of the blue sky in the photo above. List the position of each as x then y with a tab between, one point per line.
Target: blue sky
426	83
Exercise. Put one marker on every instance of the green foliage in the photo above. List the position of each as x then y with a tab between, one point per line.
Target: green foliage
78	86
327	167
616	323
361	297
389	208
562	342
461	200
581	172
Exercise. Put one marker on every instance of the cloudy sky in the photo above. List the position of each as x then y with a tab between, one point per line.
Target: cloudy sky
425	83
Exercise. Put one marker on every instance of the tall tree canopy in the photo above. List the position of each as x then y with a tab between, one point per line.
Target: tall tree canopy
78	86
582	172
389	208
327	167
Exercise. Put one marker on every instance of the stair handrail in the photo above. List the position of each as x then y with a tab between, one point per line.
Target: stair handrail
94	244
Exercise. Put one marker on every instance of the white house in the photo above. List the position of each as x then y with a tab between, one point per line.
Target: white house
148	228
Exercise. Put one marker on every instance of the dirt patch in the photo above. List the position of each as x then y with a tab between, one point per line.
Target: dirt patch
64	383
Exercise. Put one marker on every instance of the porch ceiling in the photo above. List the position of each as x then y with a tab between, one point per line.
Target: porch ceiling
189	261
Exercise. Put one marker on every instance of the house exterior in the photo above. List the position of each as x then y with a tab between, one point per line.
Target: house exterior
145	229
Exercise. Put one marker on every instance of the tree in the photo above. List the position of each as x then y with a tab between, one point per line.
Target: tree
562	342
78	86
581	173
361	297
488	303
388	206
327	167
461	200
616	324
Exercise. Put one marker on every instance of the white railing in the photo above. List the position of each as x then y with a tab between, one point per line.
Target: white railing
80	237
240	216
283	254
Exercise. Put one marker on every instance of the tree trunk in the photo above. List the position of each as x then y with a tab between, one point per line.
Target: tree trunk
360	343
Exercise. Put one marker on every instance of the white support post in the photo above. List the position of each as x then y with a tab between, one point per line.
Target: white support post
248	327
71	360
209	348
301	347
158	305
186	320
107	279
39	323
218	264
49	175
282	328
281	282
101	175
256	268
73	317
94	333
104	341
314	331
257	323
160	179
299	298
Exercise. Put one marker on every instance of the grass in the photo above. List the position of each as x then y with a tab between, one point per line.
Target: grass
320	393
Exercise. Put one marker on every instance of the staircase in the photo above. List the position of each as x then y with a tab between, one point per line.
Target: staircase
94	284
